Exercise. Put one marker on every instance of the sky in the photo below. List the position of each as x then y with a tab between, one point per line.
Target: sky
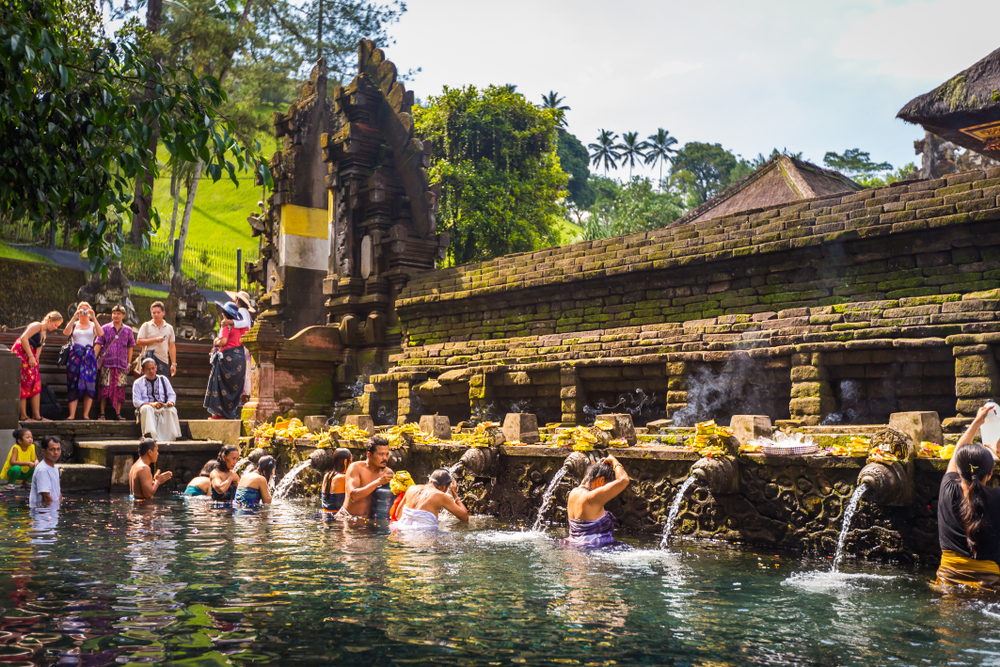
806	75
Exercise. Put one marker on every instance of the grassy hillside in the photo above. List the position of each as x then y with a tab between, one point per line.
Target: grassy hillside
6	252
220	212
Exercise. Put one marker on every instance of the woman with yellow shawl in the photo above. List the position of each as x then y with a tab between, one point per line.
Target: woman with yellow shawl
969	515
21	462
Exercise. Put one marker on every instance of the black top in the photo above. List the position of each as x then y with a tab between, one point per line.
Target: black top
951	532
229	495
35	341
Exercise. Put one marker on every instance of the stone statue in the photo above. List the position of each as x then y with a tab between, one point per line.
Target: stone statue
105	295
194	319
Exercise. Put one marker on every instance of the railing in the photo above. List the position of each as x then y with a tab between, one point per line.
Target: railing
212	268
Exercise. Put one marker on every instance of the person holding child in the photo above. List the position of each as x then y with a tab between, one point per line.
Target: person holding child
229	364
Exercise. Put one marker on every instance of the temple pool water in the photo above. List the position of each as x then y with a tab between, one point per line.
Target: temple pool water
176	582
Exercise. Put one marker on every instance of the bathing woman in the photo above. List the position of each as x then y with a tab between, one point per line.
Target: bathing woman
422	502
224	480
253	489
365	477
202	484
590	525
969	515
335	481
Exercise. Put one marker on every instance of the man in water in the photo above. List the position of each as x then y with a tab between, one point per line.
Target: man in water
45	488
422	502
365	477
590	525
141	481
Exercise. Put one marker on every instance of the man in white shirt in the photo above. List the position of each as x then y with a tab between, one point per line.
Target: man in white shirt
158	338
155	401
45	489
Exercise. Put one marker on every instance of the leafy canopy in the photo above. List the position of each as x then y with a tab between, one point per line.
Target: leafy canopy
495	158
704	170
75	128
628	208
854	162
574	160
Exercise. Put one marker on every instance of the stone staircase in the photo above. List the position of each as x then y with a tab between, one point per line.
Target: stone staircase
97	455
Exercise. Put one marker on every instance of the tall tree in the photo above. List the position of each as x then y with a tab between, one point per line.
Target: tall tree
631	150
630	207
495	158
142	200
75	127
704	170
660	149
605	150
855	162
555	102
574	160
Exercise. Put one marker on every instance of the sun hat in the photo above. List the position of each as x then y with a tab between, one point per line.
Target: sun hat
229	308
242	298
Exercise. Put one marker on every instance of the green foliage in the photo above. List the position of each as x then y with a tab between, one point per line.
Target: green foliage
660	149
854	162
703	170
495	158
628	208
631	150
7	252
904	173
574	160
555	102
75	128
605	150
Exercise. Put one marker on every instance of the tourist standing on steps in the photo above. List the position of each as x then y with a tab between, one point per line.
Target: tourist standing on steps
28	348
590	525
142	483
242	301
114	356
81	369
45	489
223	396
158	341
969	515
155	404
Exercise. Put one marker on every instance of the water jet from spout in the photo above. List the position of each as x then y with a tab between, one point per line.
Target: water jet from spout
852	507
288	480
550	492
675	509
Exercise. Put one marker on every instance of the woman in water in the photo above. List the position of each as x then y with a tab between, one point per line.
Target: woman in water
253	488
969	515
335	481
224	480
422	502
590	525
202	484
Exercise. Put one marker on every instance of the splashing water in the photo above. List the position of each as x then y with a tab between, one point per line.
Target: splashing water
675	509
289	480
550	492
240	465
852	507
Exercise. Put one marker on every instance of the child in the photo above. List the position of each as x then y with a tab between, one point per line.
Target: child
21	460
335	481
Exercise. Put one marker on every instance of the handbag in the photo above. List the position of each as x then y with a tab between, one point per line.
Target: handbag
64	354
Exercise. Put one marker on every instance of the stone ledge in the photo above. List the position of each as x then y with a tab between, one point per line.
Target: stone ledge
83	477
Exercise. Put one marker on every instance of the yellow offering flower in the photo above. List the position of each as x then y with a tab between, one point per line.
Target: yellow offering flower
400	482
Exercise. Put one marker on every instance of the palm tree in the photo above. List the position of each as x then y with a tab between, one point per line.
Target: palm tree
604	150
553	101
660	146
631	150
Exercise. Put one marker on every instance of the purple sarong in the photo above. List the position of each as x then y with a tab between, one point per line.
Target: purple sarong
592	534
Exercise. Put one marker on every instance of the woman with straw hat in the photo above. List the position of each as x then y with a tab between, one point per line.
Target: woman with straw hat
242	301
226	382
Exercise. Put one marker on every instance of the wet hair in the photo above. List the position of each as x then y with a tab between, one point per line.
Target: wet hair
340	459
375	442
223	453
146	445
157	304
19	433
441	478
597	471
207	469
49	439
265	467
975	464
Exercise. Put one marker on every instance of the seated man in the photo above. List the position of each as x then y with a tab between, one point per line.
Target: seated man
422	502
141	482
365	477
154	399
590	525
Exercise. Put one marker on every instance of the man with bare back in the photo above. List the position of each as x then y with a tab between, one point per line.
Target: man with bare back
365	477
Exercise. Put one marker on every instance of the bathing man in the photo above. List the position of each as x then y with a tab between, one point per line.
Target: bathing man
141	481
365	477
422	502
590	525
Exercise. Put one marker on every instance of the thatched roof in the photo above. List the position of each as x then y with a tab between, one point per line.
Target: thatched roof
780	180
967	100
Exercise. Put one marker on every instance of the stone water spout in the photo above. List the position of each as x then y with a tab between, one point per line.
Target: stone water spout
321	460
890	483
577	462
480	461
720	475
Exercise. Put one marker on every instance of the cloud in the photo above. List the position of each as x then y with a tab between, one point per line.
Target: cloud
928	40
671	68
